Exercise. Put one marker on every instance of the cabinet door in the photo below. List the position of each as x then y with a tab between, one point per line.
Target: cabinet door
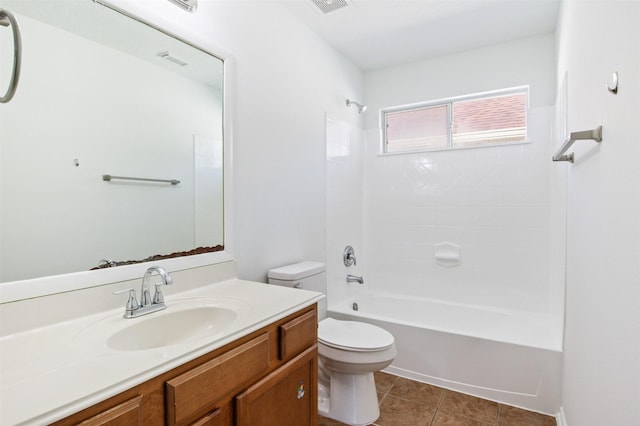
286	397
125	414
212	419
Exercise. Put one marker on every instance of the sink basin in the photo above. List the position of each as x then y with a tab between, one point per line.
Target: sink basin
182	321
171	328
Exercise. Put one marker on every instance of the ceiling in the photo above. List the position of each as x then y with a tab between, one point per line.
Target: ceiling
376	34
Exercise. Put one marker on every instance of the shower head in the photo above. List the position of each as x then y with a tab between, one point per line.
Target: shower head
361	108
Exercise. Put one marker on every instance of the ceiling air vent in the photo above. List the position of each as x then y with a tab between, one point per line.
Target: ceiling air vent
327	6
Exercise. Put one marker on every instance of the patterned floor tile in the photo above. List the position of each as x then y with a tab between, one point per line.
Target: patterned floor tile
512	416
470	406
416	391
399	412
448	419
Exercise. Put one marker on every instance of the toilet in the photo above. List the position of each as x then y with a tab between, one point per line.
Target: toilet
349	353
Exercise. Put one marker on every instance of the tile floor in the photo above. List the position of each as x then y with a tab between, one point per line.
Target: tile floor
405	402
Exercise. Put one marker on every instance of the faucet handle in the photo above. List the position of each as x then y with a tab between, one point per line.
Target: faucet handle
349	256
158	297
132	302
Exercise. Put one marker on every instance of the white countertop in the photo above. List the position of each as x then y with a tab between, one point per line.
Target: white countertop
51	372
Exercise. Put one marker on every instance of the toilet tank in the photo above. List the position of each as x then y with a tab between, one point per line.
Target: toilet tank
306	275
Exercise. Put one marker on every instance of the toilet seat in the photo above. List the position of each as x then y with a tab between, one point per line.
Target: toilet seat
353	336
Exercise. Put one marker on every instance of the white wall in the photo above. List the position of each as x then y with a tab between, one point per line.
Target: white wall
602	337
520	62
497	203
287	80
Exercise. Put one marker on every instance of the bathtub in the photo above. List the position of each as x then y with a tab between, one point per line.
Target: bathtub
506	356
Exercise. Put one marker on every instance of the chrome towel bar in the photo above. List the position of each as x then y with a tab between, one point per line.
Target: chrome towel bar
595	134
7	19
109	178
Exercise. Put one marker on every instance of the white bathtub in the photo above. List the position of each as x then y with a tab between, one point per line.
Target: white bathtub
507	356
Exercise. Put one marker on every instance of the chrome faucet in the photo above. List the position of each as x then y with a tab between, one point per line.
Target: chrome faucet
146	305
349	259
355	279
145	298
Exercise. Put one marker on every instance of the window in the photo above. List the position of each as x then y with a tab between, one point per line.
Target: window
470	121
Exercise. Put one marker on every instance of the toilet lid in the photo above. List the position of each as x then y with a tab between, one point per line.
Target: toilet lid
353	335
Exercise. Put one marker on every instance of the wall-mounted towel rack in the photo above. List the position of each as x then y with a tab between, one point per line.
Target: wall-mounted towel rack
595	134
109	178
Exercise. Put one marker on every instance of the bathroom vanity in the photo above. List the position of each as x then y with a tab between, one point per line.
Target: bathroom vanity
232	352
267	377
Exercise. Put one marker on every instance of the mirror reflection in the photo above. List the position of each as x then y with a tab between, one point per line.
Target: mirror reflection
103	94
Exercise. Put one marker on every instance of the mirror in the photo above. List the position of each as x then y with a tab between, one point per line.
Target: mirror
101	93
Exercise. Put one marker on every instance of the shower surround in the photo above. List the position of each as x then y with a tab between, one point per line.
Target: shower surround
504	208
496	203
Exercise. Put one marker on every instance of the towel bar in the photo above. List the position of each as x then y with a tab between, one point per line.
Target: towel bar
595	134
108	178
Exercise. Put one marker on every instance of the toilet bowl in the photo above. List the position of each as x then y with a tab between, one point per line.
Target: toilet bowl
349	353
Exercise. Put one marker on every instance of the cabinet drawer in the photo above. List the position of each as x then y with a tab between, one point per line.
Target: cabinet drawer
196	390
298	334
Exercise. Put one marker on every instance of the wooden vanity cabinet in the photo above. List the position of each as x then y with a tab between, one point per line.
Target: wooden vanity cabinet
267	378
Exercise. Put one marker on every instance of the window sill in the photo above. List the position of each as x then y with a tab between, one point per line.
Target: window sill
462	148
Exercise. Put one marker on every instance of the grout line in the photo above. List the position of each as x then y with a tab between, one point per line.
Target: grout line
444	391
384	396
435	413
458	414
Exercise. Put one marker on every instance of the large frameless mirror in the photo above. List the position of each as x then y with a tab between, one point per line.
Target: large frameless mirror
102	94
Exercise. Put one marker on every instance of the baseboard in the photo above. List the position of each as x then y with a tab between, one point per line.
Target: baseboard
560	418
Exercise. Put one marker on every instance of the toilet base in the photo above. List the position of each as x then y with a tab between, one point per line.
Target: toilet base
352	399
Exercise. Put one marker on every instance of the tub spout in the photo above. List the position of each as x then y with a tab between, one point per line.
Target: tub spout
355	279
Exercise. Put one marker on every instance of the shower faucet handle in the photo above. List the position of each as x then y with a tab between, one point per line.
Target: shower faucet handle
349	256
